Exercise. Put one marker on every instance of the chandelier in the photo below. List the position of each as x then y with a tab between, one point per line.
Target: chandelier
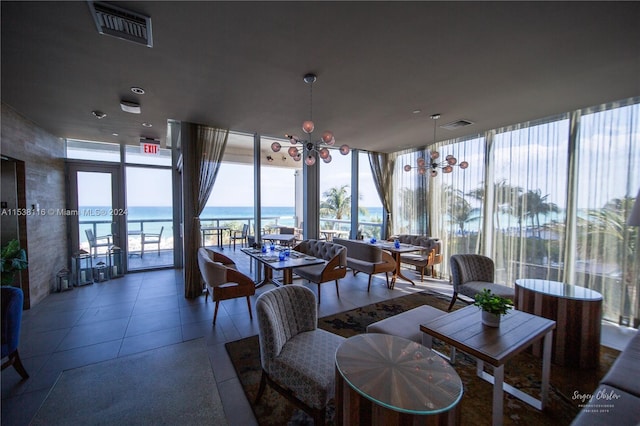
309	148
435	162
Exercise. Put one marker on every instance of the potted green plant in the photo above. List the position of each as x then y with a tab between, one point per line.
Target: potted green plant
493	307
13	259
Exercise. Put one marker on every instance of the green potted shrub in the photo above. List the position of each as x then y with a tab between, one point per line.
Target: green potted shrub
13	259
493	307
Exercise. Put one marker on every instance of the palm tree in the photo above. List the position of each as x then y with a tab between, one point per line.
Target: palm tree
536	204
337	203
504	197
459	211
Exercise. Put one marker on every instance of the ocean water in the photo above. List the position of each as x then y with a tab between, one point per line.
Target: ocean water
155	217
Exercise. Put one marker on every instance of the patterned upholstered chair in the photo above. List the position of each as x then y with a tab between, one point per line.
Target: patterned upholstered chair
222	279
298	359
334	267
470	273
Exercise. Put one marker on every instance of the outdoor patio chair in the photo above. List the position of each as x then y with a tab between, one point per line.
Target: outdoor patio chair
239	235
297	357
95	242
151	239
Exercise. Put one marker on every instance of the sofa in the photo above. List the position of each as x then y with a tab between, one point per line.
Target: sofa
616	401
367	258
333	268
428	258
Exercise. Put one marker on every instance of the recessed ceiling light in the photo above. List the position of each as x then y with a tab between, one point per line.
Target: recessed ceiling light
417	111
98	114
147	124
137	90
114	134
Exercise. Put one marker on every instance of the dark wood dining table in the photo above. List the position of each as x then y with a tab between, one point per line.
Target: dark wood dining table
271	262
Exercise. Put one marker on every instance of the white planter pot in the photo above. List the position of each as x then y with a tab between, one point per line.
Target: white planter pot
491	320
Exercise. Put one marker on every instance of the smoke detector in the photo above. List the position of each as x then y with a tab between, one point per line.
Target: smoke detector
121	23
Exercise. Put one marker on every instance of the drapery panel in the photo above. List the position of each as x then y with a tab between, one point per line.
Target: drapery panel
382	168
547	199
207	147
410	207
531	163
455	199
608	179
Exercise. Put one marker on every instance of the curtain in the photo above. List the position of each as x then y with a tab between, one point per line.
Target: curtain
456	199
382	168
607	258
206	145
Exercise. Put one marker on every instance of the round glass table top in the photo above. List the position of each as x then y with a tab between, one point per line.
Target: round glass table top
558	289
398	374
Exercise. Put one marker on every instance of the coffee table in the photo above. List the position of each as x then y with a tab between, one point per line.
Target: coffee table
463	329
389	380
578	313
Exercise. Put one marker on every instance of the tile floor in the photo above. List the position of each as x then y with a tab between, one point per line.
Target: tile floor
147	310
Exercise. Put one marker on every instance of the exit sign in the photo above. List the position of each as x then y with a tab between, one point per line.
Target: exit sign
149	146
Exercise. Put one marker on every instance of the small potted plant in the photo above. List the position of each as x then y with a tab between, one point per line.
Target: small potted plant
493	307
14	259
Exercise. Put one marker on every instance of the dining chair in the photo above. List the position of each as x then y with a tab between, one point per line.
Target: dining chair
151	239
223	281
471	273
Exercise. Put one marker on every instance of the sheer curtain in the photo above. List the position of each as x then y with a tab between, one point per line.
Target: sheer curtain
455	199
410	196
531	168
608	180
206	147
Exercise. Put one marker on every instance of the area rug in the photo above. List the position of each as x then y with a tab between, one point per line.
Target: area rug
523	372
172	385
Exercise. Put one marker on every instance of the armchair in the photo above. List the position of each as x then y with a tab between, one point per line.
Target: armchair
297	358
12	298
471	273
222	279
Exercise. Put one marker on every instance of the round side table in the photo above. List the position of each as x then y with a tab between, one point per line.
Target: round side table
577	312
384	379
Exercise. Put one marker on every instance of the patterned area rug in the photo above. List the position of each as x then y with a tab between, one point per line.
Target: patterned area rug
523	372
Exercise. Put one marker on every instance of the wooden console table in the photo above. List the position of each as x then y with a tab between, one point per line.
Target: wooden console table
577	312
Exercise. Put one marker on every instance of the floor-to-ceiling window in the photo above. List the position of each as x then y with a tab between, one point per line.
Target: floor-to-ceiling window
550	201
607	256
370	214
530	163
335	195
455	209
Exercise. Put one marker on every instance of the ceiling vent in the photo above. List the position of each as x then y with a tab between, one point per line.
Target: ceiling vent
454	125
117	22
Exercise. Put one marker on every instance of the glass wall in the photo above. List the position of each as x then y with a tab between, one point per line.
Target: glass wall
607	256
550	202
455	199
370	213
335	196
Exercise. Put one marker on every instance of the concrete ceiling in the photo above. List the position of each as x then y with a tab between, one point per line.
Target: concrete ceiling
239	65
